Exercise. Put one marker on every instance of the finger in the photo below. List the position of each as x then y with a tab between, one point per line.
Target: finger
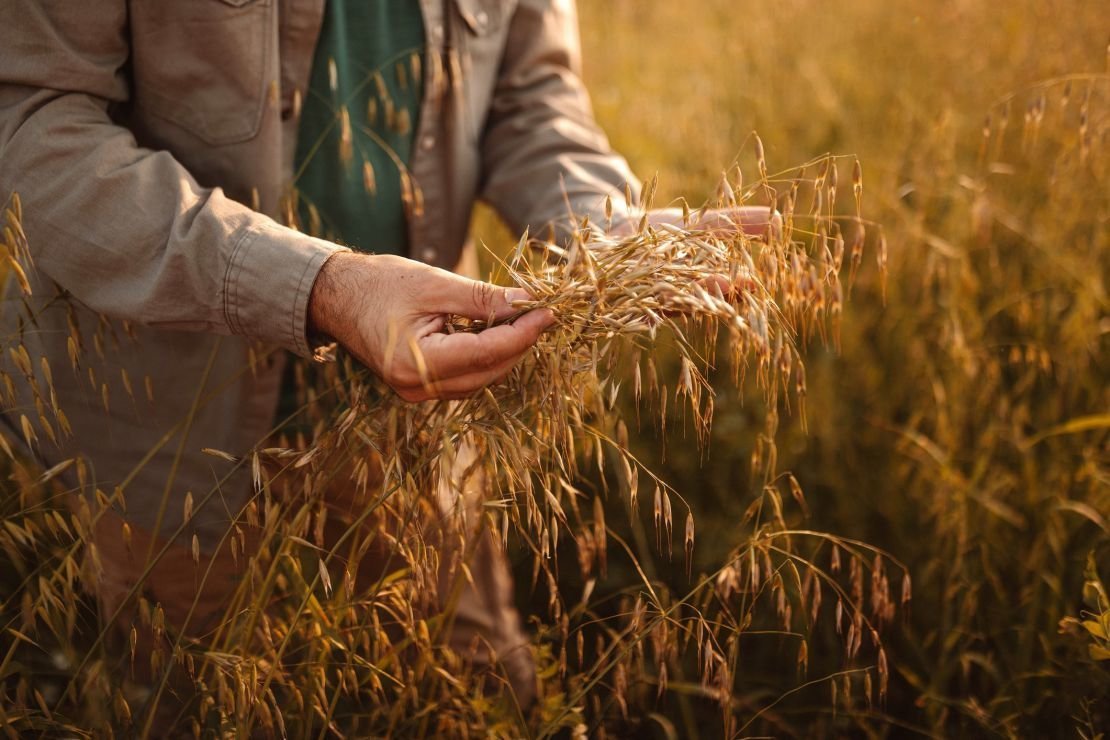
453	355
475	299
756	220
462	386
751	220
776	225
718	286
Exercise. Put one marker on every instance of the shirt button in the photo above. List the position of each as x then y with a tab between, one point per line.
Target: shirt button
428	142
428	254
437	33
482	19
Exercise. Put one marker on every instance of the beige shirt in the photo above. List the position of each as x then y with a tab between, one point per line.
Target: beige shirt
151	142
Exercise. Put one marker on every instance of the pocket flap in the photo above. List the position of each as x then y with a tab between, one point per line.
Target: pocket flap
480	16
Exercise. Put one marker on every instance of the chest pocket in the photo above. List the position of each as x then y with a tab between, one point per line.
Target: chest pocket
202	64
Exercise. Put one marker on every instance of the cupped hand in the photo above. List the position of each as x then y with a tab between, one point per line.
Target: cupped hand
390	313
754	221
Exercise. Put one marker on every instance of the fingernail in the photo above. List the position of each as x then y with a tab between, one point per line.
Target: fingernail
513	295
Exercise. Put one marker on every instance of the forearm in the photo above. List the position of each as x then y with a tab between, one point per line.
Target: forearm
340	293
129	233
542	149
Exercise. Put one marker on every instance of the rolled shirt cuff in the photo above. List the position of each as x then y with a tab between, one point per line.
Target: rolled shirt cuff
268	283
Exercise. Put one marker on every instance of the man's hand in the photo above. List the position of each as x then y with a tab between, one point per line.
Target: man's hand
754	221
751	220
390	312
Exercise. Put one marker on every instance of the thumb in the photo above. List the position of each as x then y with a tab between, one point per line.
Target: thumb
475	299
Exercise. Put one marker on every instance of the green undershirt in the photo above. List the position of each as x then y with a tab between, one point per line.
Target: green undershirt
366	69
357	128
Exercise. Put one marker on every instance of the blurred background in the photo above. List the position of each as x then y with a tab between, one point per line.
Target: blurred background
962	425
958	421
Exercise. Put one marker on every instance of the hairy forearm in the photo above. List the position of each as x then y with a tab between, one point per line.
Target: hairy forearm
341	290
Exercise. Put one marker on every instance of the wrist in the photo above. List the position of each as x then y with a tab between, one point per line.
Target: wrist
331	293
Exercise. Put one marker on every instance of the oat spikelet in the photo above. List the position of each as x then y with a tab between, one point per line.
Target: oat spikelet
220	454
403	121
298	103
689	543
126	380
379	86
325	577
857	187
760	158
346	140
333	76
668	524
122	709
28	431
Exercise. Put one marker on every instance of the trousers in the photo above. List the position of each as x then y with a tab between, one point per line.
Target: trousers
470	591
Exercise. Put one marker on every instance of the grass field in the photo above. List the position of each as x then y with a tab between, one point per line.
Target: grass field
917	553
962	426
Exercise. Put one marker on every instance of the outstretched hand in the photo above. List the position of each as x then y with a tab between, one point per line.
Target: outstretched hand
751	220
754	221
390	313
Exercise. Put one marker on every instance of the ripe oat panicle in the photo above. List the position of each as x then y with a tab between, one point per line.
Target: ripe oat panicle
661	317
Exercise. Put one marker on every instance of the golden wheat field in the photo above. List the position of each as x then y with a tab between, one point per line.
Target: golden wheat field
870	497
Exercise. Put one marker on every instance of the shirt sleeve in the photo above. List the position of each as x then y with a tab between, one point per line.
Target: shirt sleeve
125	230
541	148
